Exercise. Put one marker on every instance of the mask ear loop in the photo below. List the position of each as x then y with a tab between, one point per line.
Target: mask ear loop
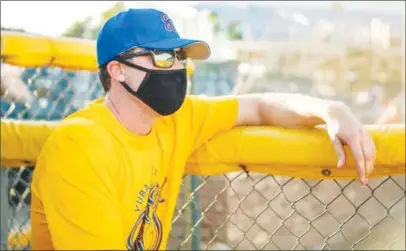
143	83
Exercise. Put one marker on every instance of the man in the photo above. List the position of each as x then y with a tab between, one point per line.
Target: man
109	176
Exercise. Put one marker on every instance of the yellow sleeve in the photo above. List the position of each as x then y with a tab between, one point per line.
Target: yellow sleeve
211	115
207	116
22	140
74	179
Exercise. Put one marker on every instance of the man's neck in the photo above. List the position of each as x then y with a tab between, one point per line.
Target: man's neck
130	114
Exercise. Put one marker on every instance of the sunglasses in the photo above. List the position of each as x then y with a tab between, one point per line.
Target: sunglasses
160	58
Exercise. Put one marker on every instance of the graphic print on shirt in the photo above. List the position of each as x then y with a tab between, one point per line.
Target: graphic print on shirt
147	231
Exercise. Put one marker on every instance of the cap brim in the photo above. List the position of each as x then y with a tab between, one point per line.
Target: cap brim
194	49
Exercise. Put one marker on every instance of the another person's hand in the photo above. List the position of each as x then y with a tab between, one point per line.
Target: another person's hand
345	129
13	88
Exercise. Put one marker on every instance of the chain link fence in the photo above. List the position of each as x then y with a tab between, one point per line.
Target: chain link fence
225	212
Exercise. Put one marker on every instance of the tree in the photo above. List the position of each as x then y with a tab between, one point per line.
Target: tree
116	8
233	31
105	15
214	19
78	28
83	29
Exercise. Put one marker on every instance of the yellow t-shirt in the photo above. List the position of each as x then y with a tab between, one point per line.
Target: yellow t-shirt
98	186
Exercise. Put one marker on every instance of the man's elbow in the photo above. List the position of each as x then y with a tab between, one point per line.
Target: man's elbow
249	110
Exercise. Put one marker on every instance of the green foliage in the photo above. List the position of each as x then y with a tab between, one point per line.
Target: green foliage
214	19
78	28
105	15
83	29
233	31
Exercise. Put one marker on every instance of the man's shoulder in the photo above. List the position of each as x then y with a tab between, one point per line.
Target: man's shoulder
84	121
80	128
195	103
190	102
78	125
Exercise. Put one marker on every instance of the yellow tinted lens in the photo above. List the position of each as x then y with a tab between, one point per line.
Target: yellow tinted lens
164	59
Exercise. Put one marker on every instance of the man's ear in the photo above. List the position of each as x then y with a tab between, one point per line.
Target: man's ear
116	71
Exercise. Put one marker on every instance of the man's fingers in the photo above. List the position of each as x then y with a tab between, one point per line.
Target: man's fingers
369	150
359	159
338	146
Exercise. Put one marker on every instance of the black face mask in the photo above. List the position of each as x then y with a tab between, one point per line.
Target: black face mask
162	90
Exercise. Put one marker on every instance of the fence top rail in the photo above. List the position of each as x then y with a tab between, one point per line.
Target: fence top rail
30	50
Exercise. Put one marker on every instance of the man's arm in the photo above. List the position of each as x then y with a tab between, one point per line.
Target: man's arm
281	109
298	111
211	115
75	183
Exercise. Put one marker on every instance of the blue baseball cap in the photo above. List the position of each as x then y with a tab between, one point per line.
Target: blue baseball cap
144	28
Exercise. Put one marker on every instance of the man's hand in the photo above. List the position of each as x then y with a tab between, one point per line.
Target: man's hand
345	129
301	111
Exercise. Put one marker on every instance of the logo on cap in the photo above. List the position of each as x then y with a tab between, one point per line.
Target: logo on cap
168	23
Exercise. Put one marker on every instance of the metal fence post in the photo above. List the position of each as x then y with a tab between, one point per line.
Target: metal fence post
195	205
195	213
4	209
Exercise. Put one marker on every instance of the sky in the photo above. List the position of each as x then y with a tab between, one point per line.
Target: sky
49	17
54	17
386	6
